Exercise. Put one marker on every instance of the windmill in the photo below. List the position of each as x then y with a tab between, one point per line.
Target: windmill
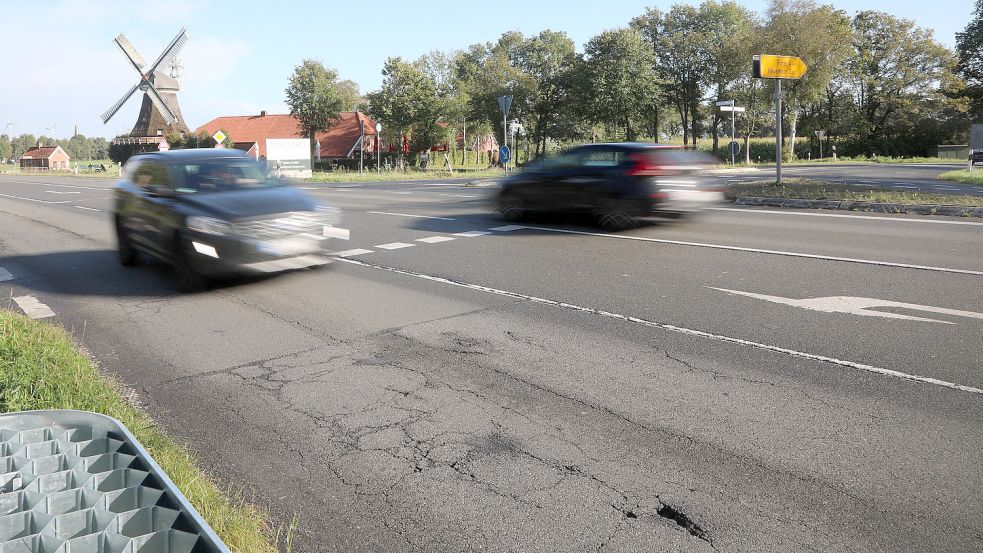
159	112
51	131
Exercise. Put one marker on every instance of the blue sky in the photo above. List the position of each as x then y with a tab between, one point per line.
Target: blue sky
64	69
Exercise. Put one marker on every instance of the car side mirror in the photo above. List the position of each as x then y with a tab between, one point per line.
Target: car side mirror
160	191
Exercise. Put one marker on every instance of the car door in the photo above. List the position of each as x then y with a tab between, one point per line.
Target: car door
594	179
155	216
558	188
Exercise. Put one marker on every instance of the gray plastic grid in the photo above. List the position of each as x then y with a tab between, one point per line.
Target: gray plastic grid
79	482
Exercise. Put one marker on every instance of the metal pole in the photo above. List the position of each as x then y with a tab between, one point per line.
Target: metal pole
733	133
778	129
505	136
378	151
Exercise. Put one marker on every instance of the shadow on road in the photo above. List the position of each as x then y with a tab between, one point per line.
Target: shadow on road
486	220
98	273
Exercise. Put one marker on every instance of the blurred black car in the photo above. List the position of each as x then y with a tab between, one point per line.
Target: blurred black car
616	183
213	213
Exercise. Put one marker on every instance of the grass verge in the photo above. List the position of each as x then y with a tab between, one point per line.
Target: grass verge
40	368
808	189
964	176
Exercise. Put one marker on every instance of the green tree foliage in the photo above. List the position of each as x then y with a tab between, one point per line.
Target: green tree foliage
969	46
622	80
5	148
821	36
411	103
900	73
315	97
78	148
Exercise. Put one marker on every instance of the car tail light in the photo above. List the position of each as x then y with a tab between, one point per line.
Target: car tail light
643	166
659	196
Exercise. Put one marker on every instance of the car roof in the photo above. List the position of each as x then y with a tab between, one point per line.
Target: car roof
634	146
191	154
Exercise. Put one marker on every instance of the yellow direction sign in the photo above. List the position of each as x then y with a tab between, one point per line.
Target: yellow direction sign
778	67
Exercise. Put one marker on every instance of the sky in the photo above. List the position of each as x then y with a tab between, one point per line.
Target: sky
62	69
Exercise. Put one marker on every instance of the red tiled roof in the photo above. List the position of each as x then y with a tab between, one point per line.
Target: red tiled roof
254	128
335	142
340	138
43	152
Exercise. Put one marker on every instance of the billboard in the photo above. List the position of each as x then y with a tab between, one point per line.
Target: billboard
290	156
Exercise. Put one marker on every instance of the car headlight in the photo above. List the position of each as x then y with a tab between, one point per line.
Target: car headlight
208	225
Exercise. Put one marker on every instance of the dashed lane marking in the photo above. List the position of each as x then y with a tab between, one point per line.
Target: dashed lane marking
61	192
395	246
472	233
33	308
349	253
508	228
678	329
5	275
434	239
89	208
34	199
865	217
411	215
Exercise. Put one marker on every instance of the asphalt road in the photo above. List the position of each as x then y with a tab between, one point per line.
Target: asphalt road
453	382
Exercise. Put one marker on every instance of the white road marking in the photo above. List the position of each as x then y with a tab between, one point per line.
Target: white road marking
59	185
80	200
472	233
349	253
309	187
678	329
460	195
5	275
904	186
34	199
508	228
61	192
395	246
335	232
411	215
858	306
33	308
769	252
865	217
87	208
402	192
434	239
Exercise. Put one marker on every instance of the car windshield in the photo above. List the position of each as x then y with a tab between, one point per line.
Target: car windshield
220	175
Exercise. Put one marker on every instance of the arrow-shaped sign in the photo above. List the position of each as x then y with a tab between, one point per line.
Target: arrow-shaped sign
505	102
778	67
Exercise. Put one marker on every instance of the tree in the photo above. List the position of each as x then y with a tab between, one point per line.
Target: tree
897	69
551	63
21	144
78	148
969	46
821	36
620	64
410	104
5	148
315	97
725	36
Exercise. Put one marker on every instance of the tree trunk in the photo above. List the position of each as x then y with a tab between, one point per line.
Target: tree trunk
792	120
655	122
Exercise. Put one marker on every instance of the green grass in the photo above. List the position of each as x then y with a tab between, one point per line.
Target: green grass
821	190
964	176
412	174
40	368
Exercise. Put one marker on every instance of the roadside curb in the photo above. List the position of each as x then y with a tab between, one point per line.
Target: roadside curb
725	170
482	182
871	207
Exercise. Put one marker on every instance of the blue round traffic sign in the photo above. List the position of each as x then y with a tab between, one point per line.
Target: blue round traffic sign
504	154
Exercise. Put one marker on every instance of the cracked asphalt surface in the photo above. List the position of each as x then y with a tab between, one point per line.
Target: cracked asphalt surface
392	411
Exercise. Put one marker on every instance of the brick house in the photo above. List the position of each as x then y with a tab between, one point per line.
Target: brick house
250	133
45	158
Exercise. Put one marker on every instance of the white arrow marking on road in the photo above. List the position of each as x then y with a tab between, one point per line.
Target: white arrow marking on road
5	275
33	308
858	306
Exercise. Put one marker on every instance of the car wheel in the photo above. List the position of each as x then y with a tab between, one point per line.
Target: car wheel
511	207
615	215
127	255
187	279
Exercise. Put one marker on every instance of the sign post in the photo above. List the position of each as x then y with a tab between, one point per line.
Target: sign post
778	68
820	135
505	102
378	147
728	105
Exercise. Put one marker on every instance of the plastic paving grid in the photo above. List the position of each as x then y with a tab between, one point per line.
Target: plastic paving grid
78	482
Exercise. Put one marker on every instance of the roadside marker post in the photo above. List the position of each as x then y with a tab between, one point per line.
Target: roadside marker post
778	68
505	102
